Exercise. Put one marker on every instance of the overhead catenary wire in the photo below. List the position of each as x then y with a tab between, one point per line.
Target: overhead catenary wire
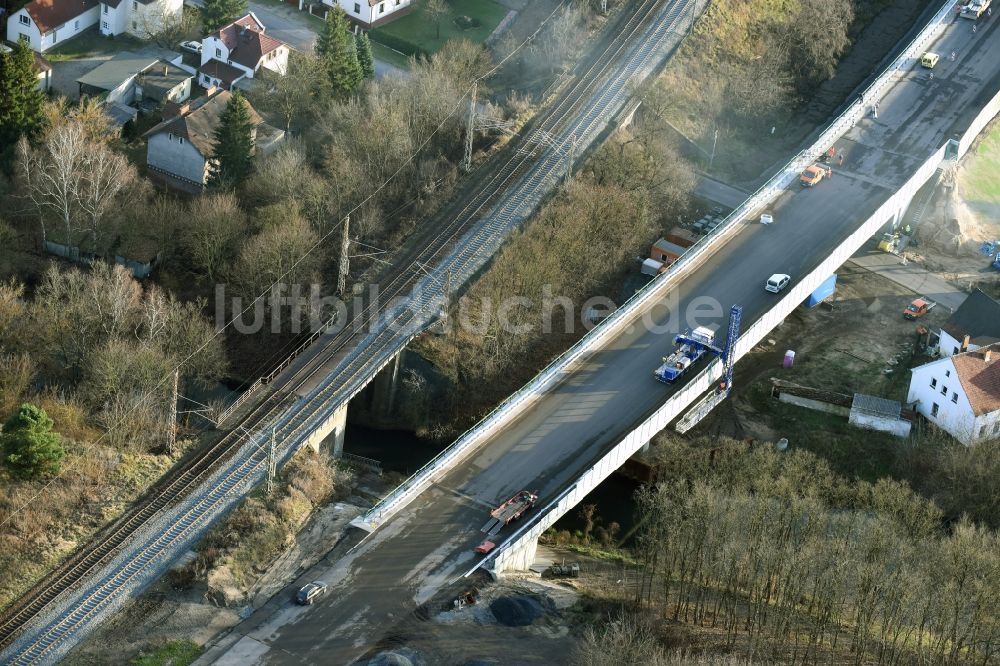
333	228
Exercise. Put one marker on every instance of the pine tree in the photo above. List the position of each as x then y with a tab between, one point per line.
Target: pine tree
365	57
30	448
233	153
22	104
336	47
218	13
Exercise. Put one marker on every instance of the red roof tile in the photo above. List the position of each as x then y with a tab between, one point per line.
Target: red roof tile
49	14
247	42
980	378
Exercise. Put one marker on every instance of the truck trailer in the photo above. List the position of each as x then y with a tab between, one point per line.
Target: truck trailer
690	347
511	510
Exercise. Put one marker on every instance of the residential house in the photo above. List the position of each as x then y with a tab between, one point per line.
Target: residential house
238	51
43	69
372	13
960	393
976	323
139	18
179	150
118	79
131	77
45	23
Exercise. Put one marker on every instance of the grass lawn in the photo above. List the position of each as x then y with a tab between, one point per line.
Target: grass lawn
417	30
172	653
980	184
395	58
851	451
92	42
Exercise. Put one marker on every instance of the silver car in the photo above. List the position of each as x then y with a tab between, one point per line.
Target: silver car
310	592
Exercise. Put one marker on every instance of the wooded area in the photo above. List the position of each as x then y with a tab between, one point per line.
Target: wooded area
756	552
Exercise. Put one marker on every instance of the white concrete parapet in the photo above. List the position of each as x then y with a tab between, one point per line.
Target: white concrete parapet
554	372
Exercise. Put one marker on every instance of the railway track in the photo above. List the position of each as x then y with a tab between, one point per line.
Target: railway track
519	162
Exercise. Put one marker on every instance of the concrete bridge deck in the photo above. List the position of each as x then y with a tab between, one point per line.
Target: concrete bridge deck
430	542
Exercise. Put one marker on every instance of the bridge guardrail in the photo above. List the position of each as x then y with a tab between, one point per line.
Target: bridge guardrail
510	554
549	375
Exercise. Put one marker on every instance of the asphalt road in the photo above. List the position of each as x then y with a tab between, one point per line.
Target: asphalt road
430	543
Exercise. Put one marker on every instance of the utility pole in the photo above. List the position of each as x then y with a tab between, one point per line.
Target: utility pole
569	158
271	463
715	139
467	161
344	265
172	433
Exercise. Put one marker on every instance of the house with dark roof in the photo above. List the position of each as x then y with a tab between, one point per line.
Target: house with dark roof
372	13
179	150
139	18
238	51
975	324
961	393
46	23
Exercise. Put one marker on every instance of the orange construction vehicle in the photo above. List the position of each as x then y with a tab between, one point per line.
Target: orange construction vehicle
813	174
918	308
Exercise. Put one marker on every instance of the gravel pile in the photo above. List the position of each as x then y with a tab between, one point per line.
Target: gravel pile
517	610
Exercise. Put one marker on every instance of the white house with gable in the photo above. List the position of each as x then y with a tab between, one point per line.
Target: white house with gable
46	23
372	13
961	394
139	18
238	51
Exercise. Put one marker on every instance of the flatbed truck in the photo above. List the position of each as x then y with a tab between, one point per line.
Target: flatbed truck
509	511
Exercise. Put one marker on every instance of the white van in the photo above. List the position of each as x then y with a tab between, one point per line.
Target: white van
776	282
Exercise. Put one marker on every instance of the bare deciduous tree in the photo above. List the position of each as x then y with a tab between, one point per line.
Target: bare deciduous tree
75	176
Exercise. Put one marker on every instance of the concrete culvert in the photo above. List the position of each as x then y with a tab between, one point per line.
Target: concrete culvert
390	659
517	610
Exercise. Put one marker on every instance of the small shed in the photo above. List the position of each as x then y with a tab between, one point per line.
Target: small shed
665	251
875	413
681	236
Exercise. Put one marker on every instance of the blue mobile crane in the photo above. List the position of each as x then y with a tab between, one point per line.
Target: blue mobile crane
692	345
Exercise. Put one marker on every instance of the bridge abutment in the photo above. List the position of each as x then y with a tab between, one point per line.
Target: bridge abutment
330	434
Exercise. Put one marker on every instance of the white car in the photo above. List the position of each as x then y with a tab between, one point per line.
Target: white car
776	282
192	46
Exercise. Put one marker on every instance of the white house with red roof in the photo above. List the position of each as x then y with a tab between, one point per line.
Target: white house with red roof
961	393
372	13
139	18
238	51
46	23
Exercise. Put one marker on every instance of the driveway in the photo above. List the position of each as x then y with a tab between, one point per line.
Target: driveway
66	72
299	29
295	28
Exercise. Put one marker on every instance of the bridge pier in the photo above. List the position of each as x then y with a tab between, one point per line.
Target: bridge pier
397	363
330	434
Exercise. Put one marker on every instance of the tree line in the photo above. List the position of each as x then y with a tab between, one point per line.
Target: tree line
793	563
